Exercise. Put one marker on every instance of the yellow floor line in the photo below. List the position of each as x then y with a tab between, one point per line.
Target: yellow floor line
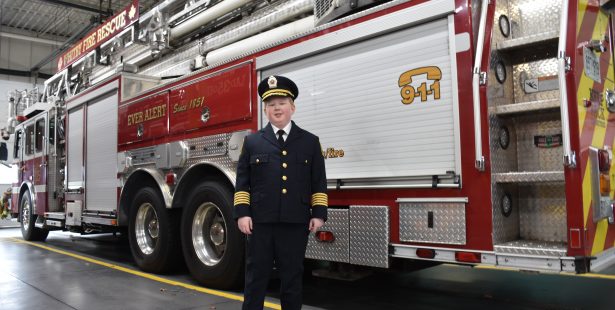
145	275
592	275
495	268
8	240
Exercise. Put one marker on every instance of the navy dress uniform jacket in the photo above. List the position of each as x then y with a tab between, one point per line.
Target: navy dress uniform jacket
281	184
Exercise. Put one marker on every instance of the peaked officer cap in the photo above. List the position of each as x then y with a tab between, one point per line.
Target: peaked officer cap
277	85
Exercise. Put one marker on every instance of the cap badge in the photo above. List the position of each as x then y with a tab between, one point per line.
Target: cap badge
273	82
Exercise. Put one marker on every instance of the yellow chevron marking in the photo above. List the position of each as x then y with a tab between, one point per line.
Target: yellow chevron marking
581	13
597	141
601	227
585	84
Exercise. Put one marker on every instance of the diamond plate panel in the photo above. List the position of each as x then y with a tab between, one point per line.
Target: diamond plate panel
505	228
542	212
524	247
321	7
215	145
338	250
449	222
502	160
531	70
529	177
369	236
531	157
529	17
211	149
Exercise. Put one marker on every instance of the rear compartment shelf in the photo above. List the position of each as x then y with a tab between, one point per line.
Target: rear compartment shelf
524	107
529	177
532	247
528	41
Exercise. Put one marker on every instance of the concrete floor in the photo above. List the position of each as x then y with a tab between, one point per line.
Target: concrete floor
70	271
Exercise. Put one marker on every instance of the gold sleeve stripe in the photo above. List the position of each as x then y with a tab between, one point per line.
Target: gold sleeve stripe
320	199
241	198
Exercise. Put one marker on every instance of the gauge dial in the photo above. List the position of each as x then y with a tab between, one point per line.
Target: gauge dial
504	25
506	205
500	72
504	137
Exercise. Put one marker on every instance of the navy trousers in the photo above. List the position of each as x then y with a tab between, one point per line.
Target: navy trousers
284	243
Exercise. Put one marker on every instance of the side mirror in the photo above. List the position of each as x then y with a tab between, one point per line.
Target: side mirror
4	152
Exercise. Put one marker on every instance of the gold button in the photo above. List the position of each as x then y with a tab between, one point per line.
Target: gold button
284	165
257	160
284	153
284	178
283	191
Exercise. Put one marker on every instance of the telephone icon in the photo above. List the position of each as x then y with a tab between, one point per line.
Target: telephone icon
409	92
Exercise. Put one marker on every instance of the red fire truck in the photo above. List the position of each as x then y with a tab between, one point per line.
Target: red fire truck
463	131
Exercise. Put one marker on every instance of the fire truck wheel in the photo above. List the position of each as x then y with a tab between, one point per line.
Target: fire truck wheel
28	217
212	243
153	236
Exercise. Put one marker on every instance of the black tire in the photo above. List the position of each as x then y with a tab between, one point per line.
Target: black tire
153	232
213	245
27	217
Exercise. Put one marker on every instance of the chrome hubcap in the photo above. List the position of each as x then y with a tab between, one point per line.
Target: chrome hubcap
147	228
25	215
216	233
209	234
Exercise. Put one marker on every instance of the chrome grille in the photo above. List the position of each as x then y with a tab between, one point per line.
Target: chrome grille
321	7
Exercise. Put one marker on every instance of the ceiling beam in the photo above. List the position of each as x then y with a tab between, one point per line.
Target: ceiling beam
23	73
29	38
78	6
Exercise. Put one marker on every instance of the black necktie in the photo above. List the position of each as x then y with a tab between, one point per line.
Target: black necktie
281	137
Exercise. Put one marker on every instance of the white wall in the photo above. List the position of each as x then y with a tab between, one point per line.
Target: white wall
22	55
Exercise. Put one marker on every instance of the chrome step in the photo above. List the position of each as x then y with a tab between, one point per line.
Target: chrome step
531	40
522	107
54	223
99	220
532	247
529	177
55	215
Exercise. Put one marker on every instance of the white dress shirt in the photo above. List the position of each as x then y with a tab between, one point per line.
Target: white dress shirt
286	130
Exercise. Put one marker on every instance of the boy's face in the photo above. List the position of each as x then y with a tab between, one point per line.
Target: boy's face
279	110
